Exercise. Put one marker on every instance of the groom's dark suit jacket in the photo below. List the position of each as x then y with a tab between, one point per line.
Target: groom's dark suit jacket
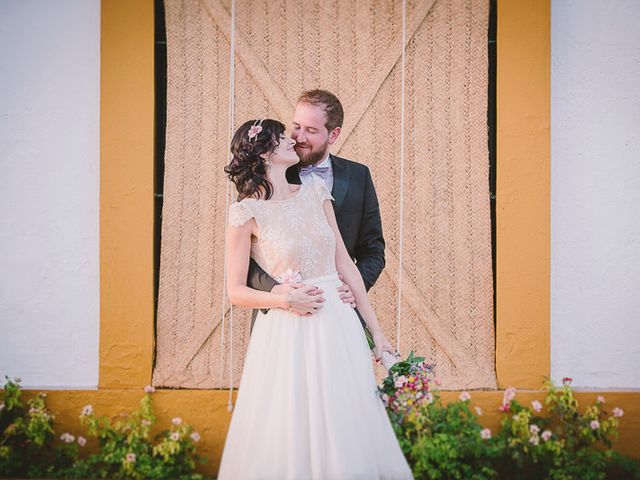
358	215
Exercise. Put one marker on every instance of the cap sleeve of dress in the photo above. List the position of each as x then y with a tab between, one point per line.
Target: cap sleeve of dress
239	214
321	189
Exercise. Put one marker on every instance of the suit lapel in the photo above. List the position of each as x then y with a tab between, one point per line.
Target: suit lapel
341	178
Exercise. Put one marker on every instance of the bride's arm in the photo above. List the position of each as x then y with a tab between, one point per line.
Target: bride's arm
352	277
238	246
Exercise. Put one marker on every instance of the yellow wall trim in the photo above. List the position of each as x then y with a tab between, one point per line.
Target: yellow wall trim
206	411
126	193
523	205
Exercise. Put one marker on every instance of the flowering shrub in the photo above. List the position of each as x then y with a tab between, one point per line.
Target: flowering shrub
533	442
126	449
26	433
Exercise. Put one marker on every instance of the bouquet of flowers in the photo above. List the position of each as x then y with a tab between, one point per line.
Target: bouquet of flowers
408	384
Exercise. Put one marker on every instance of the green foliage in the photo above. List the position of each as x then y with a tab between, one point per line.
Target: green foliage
444	442
26	433
125	446
447	441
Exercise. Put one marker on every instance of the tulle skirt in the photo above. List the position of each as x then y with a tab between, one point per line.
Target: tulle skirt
307	404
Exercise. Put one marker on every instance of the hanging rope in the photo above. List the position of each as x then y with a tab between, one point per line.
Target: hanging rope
401	219
230	122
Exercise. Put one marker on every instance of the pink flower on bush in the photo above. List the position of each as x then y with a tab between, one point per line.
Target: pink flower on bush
534	429
546	435
536	405
175	436
479	411
82	441
131	457
86	410
534	440
618	412
464	396
176	421
595	424
149	389
195	436
508	395
485	433
428	397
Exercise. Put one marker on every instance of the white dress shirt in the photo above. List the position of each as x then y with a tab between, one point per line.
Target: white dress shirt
328	181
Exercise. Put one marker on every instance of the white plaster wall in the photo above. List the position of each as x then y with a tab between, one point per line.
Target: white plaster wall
49	191
595	192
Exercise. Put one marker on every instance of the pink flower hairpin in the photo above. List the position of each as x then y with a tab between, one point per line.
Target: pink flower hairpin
255	129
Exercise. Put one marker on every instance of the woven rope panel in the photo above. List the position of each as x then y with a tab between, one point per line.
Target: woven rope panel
351	48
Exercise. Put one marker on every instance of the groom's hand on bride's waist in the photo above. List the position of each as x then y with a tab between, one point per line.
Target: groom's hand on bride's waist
345	293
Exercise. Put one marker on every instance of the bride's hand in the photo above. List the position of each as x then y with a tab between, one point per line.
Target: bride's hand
305	300
382	345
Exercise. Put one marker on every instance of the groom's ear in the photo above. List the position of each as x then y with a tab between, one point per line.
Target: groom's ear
333	136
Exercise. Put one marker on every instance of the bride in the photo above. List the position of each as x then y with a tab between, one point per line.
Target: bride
307	405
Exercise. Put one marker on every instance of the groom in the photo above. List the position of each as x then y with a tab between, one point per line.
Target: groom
317	122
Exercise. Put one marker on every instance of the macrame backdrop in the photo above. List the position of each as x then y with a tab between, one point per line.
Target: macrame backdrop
352	48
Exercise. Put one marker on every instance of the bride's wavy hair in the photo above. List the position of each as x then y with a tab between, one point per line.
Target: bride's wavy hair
247	169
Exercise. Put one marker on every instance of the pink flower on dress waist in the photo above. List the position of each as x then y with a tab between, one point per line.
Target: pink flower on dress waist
290	276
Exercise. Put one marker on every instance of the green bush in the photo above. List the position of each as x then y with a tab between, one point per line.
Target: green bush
126	449
447	441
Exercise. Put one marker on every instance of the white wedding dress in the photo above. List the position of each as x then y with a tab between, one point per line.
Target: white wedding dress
307	405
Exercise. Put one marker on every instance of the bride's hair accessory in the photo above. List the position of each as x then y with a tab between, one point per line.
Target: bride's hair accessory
255	129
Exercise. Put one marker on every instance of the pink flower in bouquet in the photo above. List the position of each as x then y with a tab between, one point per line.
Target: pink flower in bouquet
534	440
618	412
175	436
176	421
400	381
149	389
546	435
486	433
464	396
534	429
82	441
195	436
595	424
567	381
290	276
536	405
600	399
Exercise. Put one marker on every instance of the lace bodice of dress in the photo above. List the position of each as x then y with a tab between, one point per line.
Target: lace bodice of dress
293	234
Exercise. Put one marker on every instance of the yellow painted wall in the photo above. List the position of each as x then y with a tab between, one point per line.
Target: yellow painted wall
126	193
523	193
207	411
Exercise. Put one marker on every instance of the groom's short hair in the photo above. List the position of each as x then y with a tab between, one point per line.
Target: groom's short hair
329	103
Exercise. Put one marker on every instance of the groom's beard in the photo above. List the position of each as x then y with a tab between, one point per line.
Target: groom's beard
311	157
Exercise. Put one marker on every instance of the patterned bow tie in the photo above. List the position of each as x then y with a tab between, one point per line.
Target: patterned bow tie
322	172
